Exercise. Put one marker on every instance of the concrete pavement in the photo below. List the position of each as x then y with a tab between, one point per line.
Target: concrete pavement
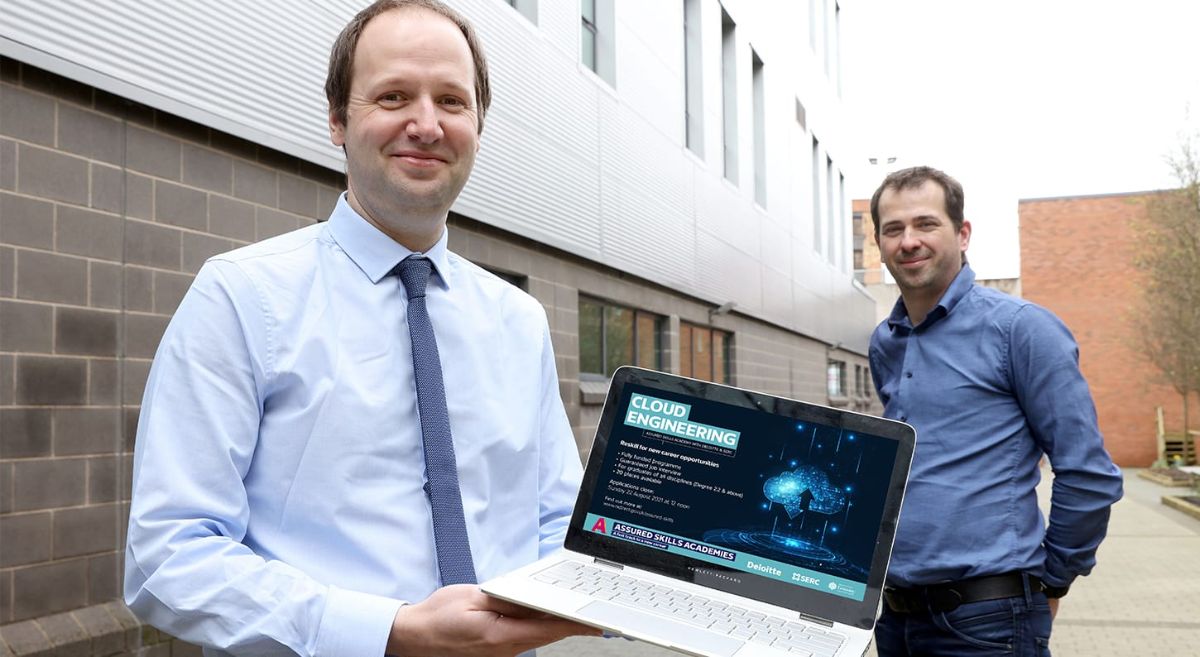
1143	598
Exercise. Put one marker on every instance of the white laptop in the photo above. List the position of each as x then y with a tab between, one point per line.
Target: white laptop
722	522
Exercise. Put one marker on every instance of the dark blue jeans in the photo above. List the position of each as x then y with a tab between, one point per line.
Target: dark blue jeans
1013	627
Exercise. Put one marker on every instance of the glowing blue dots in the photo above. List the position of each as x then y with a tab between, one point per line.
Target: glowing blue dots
792	463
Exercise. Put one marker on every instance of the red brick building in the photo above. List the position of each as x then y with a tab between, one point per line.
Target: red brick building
1077	260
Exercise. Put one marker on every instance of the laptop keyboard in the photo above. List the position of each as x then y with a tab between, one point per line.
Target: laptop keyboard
712	615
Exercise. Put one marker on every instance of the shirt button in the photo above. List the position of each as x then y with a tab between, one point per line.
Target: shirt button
908	375
904	418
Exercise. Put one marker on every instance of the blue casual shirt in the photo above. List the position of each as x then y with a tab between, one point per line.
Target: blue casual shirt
277	489
991	383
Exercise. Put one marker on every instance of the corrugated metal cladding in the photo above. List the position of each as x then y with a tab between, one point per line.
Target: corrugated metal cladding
566	159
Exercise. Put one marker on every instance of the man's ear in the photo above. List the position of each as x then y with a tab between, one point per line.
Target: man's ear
337	131
964	236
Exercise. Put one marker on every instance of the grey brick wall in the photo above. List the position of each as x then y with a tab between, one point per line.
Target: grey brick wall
107	210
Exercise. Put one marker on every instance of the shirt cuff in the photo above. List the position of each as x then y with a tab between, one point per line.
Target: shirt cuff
356	624
1057	579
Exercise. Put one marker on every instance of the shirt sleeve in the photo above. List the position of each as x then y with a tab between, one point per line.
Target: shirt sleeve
188	571
560	471
1044	360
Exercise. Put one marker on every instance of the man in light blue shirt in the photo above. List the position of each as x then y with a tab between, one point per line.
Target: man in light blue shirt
991	383
279	502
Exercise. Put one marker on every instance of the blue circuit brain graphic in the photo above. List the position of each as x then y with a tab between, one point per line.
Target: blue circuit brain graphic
804	489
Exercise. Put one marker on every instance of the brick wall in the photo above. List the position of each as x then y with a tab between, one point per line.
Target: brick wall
1077	260
107	210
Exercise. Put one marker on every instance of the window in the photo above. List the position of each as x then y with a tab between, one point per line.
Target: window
830	213
837	47
527	8
693	88
840	216
729	96
816	195
518	280
611	336
835	379
860	380
760	131
704	353
596	24
587	33
856	223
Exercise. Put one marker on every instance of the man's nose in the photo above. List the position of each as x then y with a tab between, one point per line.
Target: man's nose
423	123
910	241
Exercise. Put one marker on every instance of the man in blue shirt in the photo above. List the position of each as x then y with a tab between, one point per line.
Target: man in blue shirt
280	498
992	384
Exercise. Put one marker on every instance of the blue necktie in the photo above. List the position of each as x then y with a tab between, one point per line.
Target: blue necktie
441	470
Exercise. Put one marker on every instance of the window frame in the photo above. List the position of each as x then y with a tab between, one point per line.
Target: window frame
658	322
687	353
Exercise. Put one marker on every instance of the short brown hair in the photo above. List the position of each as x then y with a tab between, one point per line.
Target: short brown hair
341	57
914	177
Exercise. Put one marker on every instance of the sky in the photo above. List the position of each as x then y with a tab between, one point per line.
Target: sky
1020	99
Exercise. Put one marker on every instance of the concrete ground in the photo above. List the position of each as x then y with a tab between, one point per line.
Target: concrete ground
1143	598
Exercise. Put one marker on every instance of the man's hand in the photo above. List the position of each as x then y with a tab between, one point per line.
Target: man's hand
461	621
1053	602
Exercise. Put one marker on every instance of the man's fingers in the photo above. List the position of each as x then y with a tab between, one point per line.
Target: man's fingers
541	631
506	608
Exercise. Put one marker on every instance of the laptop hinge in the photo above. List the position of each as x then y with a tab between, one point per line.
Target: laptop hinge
610	564
814	619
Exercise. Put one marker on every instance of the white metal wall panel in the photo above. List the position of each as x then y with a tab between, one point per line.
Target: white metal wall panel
567	160
559	21
650	63
646	199
778	304
728	274
775	246
724	210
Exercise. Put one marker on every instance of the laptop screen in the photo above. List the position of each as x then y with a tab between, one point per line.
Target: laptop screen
774	499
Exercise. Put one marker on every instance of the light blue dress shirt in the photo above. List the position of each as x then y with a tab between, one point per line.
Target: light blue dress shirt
991	383
277	488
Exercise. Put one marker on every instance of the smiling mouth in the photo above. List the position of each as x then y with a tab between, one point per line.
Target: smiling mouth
912	263
419	159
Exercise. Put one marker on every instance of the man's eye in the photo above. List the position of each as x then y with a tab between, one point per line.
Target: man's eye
453	102
391	98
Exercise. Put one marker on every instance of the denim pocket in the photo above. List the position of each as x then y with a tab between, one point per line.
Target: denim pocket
990	624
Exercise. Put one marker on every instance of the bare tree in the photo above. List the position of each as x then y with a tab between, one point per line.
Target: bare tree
1168	253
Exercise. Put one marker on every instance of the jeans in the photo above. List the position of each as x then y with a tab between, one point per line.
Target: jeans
1013	627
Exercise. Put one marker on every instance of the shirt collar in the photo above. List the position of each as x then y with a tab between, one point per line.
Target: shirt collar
958	289
374	252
